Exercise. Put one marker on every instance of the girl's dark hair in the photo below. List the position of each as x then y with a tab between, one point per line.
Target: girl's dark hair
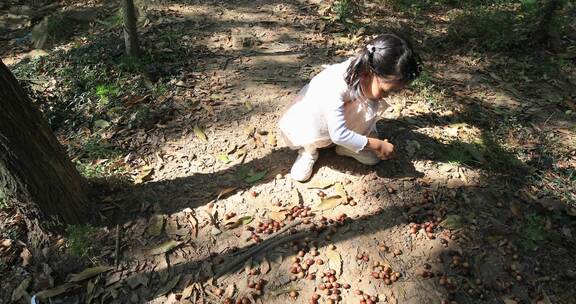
388	56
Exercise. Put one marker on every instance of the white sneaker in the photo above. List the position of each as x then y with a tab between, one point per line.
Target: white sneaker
365	157
302	168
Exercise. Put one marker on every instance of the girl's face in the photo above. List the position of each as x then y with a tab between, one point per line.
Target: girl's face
377	88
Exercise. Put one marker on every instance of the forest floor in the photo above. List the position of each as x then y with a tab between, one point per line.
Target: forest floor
194	200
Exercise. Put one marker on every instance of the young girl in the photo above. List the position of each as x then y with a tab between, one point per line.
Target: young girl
340	104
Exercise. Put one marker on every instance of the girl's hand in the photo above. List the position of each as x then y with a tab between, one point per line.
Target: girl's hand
382	148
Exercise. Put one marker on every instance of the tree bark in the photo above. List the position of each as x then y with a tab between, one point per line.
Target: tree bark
542	33
35	173
130	34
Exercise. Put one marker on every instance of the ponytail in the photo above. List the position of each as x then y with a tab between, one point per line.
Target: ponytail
388	56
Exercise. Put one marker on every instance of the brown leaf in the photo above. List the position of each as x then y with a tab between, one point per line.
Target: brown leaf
144	174
155	225
319	184
295	197
89	273
334	261
230	290
339	188
187	292
200	134
508	300
516	209
137	280
272	139
6	243
26	257
329	202
264	266
225	191
277	216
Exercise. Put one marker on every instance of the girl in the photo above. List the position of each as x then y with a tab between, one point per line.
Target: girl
339	105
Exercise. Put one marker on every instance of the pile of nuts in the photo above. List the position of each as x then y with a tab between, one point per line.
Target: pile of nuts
330	287
384	272
365	298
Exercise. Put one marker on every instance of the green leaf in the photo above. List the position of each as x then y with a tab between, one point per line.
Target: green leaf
248	105
164	247
256	177
101	124
224	158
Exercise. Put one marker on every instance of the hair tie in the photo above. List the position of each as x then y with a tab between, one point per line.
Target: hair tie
371	48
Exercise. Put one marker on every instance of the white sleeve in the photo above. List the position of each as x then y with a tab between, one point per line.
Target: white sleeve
339	132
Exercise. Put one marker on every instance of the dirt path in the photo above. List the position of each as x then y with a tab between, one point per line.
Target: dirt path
453	218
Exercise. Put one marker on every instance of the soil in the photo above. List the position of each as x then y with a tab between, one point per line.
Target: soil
469	139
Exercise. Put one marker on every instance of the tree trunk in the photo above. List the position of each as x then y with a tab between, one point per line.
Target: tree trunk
130	34
35	173
542	33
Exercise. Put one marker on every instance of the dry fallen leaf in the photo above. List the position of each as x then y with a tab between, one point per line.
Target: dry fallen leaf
144	174
277	216
339	188
230	290
225	191
89	273
329	202
245	220
319	184
272	139
137	280
155	225
187	292
334	261
508	300
164	247
264	266
26	257
200	134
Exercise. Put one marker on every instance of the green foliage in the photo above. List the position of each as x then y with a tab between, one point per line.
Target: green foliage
79	239
105	92
114	21
532	231
96	148
491	30
95	158
343	9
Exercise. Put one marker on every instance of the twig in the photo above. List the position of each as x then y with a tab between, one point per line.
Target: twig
117	256
270	242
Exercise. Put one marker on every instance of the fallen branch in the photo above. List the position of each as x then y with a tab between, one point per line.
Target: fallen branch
117	256
273	241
